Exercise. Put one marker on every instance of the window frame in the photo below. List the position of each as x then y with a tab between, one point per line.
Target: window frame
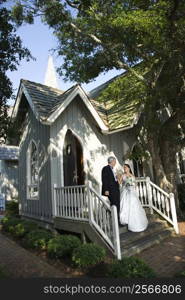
30	185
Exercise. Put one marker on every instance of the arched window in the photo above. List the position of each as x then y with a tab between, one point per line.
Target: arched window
32	171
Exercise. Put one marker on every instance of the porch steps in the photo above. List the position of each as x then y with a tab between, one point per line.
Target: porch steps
135	242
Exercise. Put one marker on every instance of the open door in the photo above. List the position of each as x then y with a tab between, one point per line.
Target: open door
73	161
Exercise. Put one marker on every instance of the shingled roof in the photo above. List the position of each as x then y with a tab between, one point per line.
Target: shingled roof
9	152
46	100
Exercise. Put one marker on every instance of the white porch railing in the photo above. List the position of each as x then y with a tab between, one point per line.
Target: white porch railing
85	204
155	198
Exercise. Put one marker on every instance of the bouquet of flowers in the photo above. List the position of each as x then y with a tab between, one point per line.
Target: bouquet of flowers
129	181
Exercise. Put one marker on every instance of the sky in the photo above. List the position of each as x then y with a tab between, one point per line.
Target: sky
38	38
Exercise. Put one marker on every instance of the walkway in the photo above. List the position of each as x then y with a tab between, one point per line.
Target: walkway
167	258
20	263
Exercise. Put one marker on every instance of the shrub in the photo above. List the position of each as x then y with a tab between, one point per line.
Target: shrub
130	267
24	227
37	239
12	208
63	245
9	223
3	273
88	255
180	274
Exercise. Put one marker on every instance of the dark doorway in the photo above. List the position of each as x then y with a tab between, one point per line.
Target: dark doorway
137	162
73	161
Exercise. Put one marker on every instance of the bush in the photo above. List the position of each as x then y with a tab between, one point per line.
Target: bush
180	274
130	267
88	255
37	239
12	208
3	273
62	245
23	228
9	223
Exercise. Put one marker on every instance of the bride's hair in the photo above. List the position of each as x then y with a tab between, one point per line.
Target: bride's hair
129	168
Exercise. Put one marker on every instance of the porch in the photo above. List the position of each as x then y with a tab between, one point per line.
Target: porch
82	210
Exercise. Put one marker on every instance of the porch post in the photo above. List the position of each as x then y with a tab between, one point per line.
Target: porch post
116	235
173	212
54	204
90	204
149	193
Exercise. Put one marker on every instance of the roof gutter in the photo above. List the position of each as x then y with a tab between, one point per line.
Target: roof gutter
117	130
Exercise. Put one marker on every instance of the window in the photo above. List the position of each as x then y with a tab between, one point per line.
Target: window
32	171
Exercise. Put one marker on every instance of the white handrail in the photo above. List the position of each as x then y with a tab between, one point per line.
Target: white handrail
160	201
104	218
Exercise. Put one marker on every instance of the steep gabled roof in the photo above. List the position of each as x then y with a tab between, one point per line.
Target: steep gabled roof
48	103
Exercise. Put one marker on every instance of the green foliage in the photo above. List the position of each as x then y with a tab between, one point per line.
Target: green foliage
180	274
3	273
62	245
88	255
130	267
181	195
9	223
37	239
23	227
11	53
12	208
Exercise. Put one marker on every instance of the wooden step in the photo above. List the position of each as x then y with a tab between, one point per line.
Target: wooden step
145	242
129	237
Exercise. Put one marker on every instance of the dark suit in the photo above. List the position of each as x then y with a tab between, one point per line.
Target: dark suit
110	184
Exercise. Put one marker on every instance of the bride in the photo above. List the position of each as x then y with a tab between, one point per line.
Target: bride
131	210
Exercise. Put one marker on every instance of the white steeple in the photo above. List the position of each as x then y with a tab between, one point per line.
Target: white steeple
50	75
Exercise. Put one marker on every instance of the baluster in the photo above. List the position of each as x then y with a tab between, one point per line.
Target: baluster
72	204
141	193
85	208
158	200
100	210
61	200
154	196
144	193
105	220
167	207
58	201
79	202
66	197
95	208
163	206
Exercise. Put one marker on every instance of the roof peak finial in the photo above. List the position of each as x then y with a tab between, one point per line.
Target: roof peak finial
50	75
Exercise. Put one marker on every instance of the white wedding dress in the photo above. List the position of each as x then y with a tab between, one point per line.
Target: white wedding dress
131	210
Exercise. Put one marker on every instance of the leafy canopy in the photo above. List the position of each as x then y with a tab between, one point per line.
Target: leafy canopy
11	53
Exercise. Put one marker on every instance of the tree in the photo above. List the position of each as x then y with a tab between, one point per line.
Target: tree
99	35
11	52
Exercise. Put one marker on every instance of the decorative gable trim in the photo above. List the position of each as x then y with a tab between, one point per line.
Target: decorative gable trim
78	91
23	90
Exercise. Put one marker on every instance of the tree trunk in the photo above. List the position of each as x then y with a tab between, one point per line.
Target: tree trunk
168	149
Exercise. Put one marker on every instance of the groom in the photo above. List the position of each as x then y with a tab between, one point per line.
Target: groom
110	185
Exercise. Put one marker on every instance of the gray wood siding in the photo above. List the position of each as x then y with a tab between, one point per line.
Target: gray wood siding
41	208
96	146
9	179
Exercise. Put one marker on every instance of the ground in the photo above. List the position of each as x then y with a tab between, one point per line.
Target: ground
166	258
